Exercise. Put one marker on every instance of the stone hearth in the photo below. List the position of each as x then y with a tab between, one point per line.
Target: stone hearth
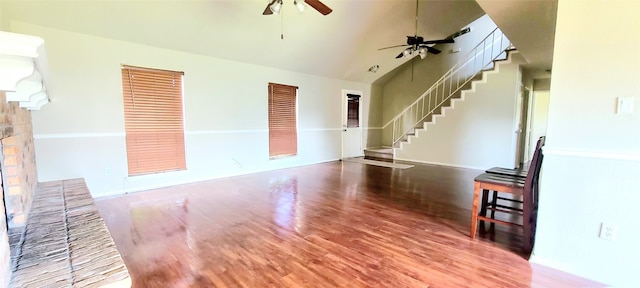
66	243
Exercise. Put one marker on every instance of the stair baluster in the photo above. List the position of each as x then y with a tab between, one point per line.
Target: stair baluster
473	64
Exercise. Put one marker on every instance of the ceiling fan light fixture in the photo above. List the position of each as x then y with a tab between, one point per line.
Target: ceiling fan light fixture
276	6
407	53
300	5
422	52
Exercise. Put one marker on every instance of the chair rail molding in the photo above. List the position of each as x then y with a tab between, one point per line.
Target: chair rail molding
24	69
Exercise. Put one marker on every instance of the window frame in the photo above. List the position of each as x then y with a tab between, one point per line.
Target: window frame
275	152
155	134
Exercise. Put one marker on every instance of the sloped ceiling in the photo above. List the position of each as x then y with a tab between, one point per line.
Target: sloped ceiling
529	24
342	45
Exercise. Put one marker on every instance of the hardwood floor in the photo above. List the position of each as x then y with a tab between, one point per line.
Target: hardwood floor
337	224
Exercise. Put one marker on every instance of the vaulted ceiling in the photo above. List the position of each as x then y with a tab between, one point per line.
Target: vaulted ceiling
341	45
530	25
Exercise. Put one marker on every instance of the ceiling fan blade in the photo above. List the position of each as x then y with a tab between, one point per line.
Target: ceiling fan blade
267	11
459	33
316	4
432	50
441	41
400	55
393	46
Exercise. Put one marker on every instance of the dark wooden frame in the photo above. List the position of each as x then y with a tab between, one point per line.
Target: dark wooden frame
515	185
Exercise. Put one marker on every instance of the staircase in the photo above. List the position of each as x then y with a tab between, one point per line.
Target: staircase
380	153
448	89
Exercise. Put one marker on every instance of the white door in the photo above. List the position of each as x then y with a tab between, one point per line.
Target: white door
351	127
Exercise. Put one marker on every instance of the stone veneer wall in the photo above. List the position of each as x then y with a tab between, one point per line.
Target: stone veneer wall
19	178
5	253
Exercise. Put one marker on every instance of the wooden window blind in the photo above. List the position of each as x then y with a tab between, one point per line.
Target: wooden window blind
153	120
283	135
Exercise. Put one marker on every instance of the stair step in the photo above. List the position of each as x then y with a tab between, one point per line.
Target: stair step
379	153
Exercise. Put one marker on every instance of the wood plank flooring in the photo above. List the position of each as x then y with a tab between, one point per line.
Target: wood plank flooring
337	224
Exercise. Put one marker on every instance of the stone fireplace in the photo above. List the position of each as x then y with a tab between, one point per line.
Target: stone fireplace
19	179
51	233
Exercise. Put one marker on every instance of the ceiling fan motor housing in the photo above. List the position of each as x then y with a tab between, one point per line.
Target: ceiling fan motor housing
414	40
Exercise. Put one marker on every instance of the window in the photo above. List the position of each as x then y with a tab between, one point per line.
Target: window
353	111
283	136
153	120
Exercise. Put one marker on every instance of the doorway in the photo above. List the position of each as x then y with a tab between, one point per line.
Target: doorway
351	124
538	122
521	131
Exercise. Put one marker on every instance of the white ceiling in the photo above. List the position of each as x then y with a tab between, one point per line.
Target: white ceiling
341	45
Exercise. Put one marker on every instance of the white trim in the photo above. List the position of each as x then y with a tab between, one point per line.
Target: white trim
204	132
78	135
319	129
442	164
550	263
147	177
114	193
150	187
558	266
612	155
197	132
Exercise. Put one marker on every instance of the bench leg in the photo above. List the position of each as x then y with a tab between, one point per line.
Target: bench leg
483	208
493	212
527	213
474	210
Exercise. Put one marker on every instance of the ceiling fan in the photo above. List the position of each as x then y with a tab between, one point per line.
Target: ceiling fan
417	44
274	6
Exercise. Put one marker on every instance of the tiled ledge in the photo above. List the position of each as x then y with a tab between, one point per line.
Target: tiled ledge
66	243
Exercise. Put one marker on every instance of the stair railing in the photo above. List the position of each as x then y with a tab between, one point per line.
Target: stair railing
480	57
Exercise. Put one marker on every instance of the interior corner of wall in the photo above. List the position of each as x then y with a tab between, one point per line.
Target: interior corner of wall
386	136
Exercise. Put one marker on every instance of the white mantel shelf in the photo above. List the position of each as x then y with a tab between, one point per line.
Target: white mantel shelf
23	69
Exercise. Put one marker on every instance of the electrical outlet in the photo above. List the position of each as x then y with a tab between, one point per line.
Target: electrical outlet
107	171
608	231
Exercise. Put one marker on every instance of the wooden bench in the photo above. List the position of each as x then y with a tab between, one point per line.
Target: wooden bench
517	172
65	242
514	184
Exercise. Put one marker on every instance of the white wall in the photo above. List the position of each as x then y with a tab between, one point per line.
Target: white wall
81	132
373	134
591	167
3	18
478	132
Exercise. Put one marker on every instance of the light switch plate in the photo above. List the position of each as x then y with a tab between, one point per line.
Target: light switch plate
625	105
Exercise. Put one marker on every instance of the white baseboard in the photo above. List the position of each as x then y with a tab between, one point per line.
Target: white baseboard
442	164
194	180
557	266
